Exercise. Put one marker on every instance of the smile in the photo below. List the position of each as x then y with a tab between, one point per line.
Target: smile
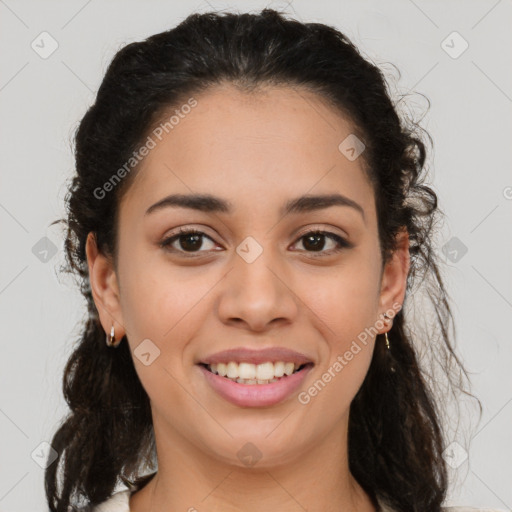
248	373
250	385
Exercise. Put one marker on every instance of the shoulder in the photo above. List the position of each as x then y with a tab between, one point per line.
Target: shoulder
471	509
118	502
459	508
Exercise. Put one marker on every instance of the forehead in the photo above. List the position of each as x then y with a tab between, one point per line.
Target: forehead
280	141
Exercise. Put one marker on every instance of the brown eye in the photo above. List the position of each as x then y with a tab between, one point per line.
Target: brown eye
315	241
189	240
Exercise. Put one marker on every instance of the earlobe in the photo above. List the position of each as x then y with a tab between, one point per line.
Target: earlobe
394	278
104	288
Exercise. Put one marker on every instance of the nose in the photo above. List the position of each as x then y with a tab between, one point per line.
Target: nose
257	295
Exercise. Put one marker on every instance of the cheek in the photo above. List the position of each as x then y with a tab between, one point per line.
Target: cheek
166	306
345	301
343	311
155	296
166	312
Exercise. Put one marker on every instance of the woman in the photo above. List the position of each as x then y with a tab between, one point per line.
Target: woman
247	216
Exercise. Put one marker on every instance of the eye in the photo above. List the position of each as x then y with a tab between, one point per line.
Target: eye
190	240
314	241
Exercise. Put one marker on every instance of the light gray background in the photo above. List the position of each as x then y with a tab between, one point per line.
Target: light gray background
42	101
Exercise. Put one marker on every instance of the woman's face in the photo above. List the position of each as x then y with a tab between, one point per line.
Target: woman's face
254	279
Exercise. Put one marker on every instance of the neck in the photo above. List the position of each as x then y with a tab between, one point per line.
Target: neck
188	479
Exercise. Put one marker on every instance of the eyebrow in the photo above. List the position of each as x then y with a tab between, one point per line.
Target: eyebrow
209	203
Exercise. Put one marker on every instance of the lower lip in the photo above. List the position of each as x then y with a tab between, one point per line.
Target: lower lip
255	395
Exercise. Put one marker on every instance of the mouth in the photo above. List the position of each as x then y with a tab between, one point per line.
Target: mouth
251	385
255	374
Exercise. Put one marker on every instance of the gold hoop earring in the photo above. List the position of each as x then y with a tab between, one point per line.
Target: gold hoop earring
386	319
111	338
388	346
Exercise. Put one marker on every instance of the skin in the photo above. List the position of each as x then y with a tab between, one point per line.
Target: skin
257	151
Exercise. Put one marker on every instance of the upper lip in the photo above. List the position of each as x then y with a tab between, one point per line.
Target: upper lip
246	355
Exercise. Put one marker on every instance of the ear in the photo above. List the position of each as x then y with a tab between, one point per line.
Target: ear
394	278
104	288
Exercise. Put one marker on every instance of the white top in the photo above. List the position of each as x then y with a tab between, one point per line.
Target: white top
119	502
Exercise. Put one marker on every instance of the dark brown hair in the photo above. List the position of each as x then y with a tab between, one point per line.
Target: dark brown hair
395	428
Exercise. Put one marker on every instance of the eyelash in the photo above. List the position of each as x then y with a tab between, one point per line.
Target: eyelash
342	242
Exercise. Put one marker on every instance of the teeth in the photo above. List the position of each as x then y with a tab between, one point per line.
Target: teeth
264	371
289	368
279	369
247	381
247	371
254	373
254	381
232	370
